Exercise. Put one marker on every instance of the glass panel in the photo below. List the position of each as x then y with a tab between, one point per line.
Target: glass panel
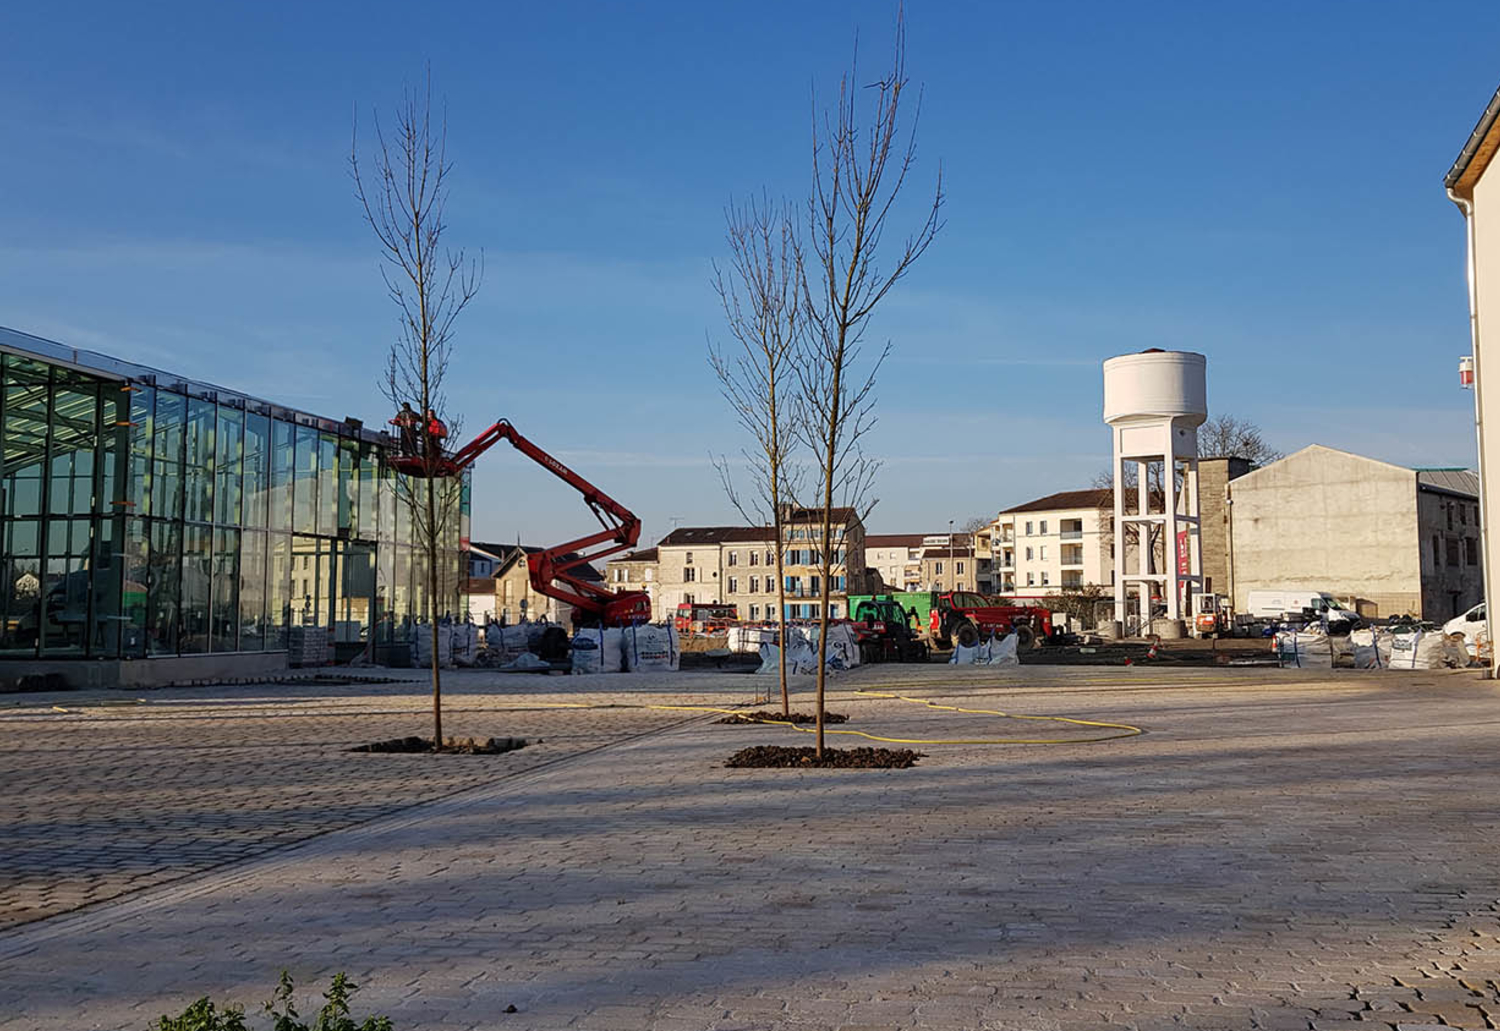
114	450
279	590
329	497
65	605
25	446
356	594
385	574
305	492
252	591
133	601
401	608
227	450
257	468
20	588
304	581
198	469
283	463
142	416
348	493
225	613
106	566
386	488
197	564
163	586
369	469
166	466
75	434
328	583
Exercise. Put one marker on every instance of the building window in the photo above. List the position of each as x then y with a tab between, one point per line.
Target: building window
938	568
1044	578
1043	553
734	585
833	610
755	585
1473	550
689	575
1437	551
1449	508
1028	528
1029	554
648	574
687	599
770	558
1463	514
1453	551
1044	527
958	567
1030	579
755	558
754	609
734	558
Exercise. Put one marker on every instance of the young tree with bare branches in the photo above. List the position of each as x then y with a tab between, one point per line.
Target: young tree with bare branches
859	167
404	197
761	294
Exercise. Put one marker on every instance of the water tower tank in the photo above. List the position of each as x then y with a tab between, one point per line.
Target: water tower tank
1156	385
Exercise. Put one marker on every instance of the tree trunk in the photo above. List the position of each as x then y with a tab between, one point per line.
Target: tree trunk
826	563
432	581
786	700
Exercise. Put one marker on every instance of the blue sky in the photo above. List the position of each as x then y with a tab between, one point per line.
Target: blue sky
1259	182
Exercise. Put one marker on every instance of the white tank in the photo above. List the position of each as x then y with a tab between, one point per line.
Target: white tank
1156	385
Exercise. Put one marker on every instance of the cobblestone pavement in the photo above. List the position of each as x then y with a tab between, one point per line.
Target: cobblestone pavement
1278	851
104	795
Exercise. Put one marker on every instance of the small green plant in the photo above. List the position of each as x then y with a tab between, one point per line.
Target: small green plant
333	1016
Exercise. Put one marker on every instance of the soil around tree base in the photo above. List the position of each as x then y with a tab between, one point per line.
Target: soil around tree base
451	745
764	716
783	757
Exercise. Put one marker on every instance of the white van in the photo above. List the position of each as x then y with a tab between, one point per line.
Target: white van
1471	624
1292	603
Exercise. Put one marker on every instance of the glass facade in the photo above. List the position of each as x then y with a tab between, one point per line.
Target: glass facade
141	517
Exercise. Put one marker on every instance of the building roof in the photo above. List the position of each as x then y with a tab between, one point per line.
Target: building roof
644	555
1459	482
1068	500
706	535
961	549
1477	152
583	572
894	540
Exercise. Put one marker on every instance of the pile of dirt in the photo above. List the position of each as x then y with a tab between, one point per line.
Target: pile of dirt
833	758
765	715
453	745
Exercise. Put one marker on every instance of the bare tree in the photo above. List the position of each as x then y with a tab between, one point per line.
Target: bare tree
1228	436
858	168
760	292
404	199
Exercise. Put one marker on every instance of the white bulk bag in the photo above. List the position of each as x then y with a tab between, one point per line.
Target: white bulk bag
1304	649
749	638
599	650
1003	651
1369	651
651	649
964	656
843	646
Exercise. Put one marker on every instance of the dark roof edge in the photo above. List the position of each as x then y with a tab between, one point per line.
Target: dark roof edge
1471	146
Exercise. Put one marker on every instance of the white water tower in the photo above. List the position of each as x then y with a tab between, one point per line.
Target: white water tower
1154	402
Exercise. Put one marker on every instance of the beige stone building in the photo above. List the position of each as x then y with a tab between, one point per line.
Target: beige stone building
736	565
1389	539
1062	540
1475	188
516	600
948	563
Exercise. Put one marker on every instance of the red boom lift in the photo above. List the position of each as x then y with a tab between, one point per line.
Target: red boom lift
592	604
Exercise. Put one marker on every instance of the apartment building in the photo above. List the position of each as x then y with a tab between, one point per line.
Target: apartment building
948	563
1059	541
897	557
736	565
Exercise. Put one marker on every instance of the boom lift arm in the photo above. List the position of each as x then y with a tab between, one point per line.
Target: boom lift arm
620	529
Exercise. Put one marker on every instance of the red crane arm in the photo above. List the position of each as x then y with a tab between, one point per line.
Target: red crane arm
620	528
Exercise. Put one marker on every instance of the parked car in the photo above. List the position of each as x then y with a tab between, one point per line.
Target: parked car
1471	624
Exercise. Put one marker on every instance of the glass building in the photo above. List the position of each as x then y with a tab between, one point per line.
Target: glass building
146	516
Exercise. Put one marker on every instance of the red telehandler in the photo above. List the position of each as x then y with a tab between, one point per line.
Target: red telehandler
551	569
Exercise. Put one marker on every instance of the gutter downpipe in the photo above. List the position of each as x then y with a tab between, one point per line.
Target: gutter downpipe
1467	207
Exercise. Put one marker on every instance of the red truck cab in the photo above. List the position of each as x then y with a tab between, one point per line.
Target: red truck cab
702	618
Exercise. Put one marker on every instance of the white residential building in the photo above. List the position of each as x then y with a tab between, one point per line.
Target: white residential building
1061	540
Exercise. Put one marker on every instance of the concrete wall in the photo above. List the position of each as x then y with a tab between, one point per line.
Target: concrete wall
132	674
1486	299
1214	475
1328	520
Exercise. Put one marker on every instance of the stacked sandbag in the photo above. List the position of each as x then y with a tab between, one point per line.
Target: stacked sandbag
997	651
651	649
1427	649
1304	649
800	658
508	642
1371	648
599	650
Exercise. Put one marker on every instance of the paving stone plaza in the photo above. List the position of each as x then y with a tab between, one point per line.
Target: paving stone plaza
1279	850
